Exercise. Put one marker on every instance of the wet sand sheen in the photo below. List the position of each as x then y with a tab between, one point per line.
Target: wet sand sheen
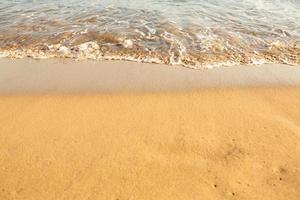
26	76
226	141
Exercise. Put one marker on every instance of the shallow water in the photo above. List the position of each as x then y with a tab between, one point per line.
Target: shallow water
192	33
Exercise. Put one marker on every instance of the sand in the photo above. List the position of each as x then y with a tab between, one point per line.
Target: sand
211	139
64	76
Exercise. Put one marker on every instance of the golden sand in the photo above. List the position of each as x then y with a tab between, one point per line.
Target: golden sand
207	144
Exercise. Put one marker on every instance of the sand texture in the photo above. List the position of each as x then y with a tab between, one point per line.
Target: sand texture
209	143
216	144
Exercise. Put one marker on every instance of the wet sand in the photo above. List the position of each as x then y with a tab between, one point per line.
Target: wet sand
156	133
25	76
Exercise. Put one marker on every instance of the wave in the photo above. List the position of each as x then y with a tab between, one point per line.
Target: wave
190	33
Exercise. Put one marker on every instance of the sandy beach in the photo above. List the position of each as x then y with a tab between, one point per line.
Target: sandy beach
124	130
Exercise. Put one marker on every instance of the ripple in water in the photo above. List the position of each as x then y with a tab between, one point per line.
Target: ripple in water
192	33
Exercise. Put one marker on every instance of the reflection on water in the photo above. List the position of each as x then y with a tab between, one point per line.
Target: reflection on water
193	33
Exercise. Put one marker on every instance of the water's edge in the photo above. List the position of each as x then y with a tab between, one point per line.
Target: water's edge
190	33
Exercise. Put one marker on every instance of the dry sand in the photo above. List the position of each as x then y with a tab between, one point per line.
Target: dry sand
217	142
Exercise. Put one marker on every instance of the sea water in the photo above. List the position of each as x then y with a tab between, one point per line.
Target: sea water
192	33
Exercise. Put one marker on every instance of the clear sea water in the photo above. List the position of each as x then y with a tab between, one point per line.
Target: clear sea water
191	33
